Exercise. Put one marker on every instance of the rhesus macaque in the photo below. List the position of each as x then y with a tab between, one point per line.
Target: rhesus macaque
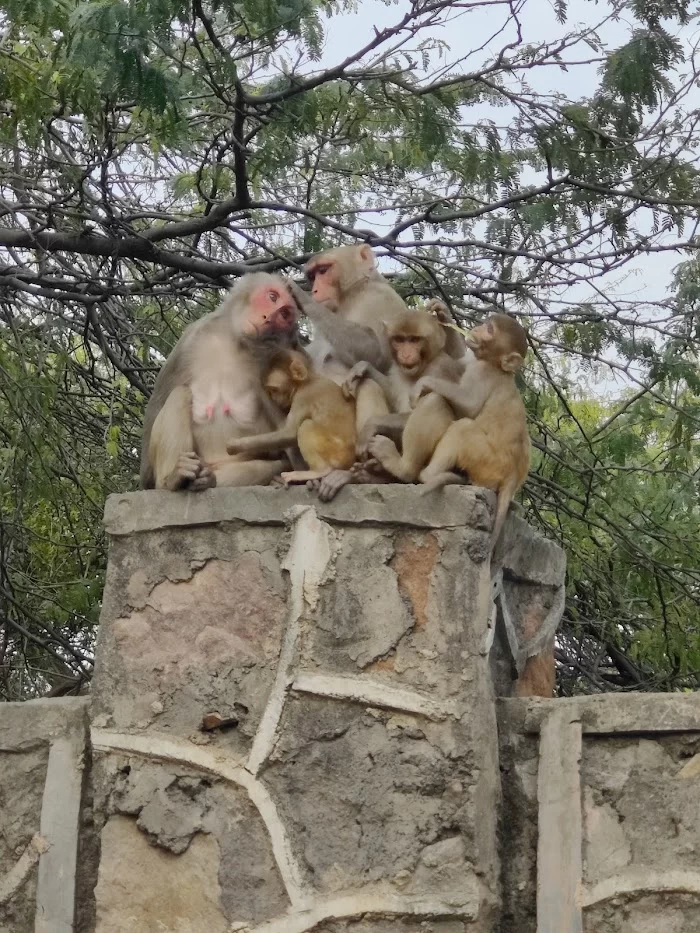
350	301
321	420
490	442
209	390
416	342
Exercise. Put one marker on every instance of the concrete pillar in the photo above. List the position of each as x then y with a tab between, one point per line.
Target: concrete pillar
352	782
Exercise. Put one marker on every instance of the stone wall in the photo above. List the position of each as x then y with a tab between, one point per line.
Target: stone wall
294	727
343	646
601	813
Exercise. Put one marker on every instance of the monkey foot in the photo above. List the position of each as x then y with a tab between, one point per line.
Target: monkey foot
327	487
383	450
301	476
186	470
205	479
447	478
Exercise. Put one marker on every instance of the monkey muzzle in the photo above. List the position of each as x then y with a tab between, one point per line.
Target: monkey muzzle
281	319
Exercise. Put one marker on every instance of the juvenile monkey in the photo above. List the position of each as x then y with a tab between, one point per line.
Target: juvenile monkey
209	389
416	342
320	419
490	442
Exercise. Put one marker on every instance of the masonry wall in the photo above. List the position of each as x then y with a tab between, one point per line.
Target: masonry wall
294	726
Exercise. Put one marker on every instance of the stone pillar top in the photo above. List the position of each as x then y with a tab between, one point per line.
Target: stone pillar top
452	507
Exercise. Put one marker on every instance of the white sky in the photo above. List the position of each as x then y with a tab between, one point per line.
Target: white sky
649	277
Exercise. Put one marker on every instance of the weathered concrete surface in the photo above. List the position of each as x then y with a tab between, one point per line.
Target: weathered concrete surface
354	786
620	712
529	573
346	643
143	889
519	766
637	793
41	755
455	507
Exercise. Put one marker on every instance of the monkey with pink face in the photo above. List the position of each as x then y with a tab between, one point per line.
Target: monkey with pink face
210	391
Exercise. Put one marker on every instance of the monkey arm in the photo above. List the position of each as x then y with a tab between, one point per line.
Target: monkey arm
454	343
465	403
359	372
264	443
351	342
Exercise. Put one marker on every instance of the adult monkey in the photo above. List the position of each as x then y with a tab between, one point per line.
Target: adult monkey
350	303
209	391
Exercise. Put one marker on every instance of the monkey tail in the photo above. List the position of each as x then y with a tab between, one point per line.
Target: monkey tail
442	479
503	501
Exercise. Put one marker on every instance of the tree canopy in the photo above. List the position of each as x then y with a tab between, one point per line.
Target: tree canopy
496	153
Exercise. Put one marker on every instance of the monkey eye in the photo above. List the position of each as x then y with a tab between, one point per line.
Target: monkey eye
273	296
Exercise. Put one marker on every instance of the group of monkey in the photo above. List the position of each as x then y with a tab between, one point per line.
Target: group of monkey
382	393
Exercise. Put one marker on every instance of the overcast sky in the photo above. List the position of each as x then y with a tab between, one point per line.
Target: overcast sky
476	35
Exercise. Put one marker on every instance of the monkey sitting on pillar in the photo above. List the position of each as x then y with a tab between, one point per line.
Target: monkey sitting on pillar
415	342
209	389
489	442
320	419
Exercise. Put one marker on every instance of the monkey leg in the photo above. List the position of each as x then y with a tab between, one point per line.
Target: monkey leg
329	486
370	402
171	447
325	449
464	446
441	479
427	423
247	472
390	425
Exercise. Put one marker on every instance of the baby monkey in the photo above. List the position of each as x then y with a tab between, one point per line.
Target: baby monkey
320	420
489	442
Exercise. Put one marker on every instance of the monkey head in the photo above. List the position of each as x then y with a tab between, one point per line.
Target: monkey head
262	305
287	371
333	273
501	341
415	339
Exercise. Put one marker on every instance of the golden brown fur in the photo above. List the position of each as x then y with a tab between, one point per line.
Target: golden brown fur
320	419
489	442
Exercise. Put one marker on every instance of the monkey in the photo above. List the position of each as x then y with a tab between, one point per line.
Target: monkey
489	441
209	389
416	342
350	300
320	419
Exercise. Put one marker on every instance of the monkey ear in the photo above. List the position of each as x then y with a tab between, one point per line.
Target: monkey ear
367	255
511	362
298	371
441	338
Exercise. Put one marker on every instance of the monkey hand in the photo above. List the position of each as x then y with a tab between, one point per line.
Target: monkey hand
440	310
303	300
424	386
354	378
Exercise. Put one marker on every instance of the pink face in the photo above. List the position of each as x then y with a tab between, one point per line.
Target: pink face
324	281
271	310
